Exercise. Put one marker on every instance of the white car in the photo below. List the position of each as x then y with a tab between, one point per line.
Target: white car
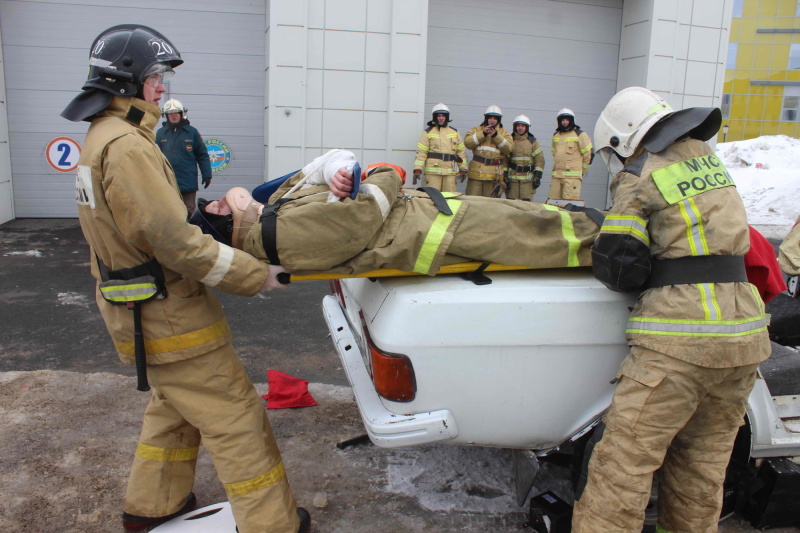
526	362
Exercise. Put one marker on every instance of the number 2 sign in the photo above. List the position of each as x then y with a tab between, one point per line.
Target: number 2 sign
63	153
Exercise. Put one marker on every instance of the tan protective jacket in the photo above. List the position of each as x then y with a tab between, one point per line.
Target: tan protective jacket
677	203
495	147
440	140
130	211
526	153
403	229
572	153
789	252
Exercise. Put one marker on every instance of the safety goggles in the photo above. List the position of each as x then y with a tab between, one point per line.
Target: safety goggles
157	74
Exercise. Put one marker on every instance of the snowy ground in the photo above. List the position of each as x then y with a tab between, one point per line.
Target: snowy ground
767	174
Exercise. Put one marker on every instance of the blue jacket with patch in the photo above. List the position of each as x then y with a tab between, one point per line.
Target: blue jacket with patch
185	150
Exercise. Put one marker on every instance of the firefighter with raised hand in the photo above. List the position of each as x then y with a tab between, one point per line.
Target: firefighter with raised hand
527	162
572	155
441	154
677	233
134	220
491	144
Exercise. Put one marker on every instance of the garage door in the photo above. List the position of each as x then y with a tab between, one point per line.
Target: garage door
45	48
530	57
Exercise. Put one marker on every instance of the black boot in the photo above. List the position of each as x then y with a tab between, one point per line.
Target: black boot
133	523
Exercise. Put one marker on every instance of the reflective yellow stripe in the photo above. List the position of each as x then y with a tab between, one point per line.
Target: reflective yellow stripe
588	147
757	296
630	224
166	455
568	232
461	146
708	297
436	170
421	146
691	177
564	173
418	163
694	227
177	342
433	136
697	328
540	169
452	135
129	293
658	107
659	529
241	488
434	238
537	152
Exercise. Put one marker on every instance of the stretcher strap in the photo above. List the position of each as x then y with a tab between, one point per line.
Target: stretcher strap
697	269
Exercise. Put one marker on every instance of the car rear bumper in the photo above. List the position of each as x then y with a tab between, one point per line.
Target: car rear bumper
385	428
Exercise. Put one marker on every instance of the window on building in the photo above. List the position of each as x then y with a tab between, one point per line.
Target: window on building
737	8
791	103
796	10
725	106
733	49
794	57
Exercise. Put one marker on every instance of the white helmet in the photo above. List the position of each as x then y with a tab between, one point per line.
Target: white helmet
174	106
493	111
565	112
441	108
628	116
522	119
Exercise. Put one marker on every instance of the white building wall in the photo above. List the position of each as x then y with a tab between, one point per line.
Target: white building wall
6	191
343	74
676	48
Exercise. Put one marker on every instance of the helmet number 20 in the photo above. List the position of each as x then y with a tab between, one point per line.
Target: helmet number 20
161	48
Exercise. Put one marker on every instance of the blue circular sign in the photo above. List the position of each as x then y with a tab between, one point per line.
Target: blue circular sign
219	154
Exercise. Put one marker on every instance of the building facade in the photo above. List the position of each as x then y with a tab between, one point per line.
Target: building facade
279	82
761	94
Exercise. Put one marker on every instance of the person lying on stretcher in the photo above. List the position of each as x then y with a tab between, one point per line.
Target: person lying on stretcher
325	219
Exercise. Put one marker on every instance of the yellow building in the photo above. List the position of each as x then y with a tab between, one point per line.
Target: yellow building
761	94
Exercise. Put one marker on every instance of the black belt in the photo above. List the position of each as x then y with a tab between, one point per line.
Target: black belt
696	269
269	224
444	157
520	168
487	161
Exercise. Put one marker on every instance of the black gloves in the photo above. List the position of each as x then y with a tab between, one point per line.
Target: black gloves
537	178
206	182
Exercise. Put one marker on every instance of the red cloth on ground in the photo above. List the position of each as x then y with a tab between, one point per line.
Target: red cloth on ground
762	267
287	391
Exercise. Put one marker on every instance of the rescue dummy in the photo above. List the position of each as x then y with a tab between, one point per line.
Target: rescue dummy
441	154
134	220
526	162
491	144
572	155
384	226
677	233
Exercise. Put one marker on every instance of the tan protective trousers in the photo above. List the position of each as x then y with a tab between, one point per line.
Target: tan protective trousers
481	187
565	188
520	190
443	182
209	398
670	414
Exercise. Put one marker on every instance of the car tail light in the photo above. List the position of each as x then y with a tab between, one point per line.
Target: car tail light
392	373
336	289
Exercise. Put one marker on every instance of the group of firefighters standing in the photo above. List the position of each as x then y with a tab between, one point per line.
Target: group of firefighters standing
502	161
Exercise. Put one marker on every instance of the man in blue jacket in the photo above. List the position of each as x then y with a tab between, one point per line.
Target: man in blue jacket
185	150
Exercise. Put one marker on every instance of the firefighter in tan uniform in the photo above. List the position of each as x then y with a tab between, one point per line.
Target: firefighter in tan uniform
134	220
526	162
441	154
572	155
491	144
789	258
677	232
384	226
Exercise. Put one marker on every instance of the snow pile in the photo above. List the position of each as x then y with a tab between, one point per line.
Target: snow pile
767	175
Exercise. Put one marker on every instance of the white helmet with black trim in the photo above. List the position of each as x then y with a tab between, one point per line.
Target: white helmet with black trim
493	111
637	116
173	105
522	119
440	109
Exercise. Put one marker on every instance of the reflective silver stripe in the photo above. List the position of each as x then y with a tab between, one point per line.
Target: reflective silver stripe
709	302
502	142
489	148
128	292
475	138
694	231
383	203
221	266
697	328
